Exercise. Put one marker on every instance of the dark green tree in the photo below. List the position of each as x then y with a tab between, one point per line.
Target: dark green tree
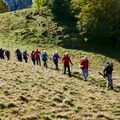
3	7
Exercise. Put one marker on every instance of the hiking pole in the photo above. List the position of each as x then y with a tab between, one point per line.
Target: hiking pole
102	75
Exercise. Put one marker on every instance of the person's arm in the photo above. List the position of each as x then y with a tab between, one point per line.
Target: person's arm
63	59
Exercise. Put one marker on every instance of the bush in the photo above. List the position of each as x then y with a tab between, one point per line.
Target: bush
39	3
3	7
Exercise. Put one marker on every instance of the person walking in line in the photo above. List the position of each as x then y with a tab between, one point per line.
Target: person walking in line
25	56
44	58
55	59
7	54
18	55
2	54
37	57
66	62
33	57
107	72
84	64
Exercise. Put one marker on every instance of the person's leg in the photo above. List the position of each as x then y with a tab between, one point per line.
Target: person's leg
26	60
69	72
39	61
56	64
46	63
64	69
33	60
110	81
8	57
86	74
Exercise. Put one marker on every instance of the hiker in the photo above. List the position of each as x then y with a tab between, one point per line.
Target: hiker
84	64
18	55
33	57
55	59
108	68
37	57
66	62
2	54
44	58
25	56
7	54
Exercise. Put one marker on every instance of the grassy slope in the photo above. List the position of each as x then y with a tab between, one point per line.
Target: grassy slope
31	93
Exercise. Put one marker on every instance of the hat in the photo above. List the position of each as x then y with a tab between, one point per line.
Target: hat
85	57
56	51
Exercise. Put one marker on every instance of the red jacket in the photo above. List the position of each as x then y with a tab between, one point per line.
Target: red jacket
37	53
84	63
33	55
66	60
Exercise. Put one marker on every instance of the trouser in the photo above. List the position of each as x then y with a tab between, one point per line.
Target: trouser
67	67
33	60
26	59
38	61
19	57
109	83
85	73
8	57
56	64
45	63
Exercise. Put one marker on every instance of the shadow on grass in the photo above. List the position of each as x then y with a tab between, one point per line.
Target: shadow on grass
108	49
117	89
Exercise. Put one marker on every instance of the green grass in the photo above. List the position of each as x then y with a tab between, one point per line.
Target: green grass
30	92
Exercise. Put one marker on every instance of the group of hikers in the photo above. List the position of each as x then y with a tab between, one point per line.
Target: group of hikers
36	57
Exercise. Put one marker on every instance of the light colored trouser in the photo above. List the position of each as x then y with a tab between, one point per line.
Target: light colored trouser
109	81
85	72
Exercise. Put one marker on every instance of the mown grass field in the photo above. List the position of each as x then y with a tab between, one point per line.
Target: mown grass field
30	92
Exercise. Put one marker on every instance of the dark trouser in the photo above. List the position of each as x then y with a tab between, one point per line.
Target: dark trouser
68	67
33	60
26	59
38	61
2	57
56	64
19	57
45	63
8	57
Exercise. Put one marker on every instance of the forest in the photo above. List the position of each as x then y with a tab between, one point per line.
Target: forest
95	20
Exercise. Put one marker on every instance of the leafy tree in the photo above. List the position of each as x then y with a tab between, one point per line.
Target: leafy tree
60	9
97	19
3	7
39	3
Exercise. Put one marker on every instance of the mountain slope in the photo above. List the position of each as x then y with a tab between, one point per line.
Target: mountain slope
31	92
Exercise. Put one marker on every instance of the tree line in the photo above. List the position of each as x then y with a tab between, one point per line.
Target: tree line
96	20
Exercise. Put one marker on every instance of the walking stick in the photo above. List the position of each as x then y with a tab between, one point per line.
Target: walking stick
102	75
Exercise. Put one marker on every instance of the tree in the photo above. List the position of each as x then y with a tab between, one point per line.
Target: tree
60	9
39	3
98	19
3	7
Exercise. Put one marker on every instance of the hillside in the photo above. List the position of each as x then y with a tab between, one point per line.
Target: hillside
30	92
